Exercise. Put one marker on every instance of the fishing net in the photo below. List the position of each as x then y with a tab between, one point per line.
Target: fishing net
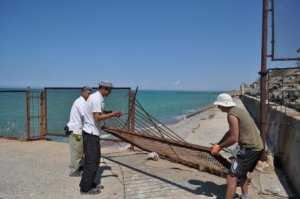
147	133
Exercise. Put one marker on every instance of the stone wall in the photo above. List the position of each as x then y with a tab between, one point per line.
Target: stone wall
283	138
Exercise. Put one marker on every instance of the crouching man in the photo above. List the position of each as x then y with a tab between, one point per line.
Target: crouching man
242	130
74	130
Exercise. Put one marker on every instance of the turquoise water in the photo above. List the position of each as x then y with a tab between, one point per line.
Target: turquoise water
166	106
12	114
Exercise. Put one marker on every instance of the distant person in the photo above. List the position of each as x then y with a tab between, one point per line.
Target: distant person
242	130
74	130
94	117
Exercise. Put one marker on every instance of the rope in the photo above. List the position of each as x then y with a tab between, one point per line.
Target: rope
146	124
158	125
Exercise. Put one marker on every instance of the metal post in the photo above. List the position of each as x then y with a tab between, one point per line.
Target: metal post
282	90
46	111
132	111
131	114
268	88
27	115
42	116
264	72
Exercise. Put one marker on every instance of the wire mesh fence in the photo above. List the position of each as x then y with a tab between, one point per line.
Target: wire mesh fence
283	87
20	114
118	100
59	102
13	113
35	113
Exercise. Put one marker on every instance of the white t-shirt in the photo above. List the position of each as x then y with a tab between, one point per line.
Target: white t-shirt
95	104
75	123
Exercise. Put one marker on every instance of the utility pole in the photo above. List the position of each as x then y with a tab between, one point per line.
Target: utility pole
264	72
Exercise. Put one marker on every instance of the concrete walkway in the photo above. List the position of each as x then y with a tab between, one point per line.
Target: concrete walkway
39	169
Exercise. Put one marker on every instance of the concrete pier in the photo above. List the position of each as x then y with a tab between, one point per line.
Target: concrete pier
39	169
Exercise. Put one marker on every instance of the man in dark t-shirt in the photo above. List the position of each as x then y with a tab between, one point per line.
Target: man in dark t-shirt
242	130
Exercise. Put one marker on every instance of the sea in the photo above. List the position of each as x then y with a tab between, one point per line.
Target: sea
166	106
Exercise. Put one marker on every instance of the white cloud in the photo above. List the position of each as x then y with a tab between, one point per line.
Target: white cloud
177	83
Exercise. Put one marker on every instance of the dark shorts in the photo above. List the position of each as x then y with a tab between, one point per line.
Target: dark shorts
245	162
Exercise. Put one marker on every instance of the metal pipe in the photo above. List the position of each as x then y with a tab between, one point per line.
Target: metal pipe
62	88
273	31
263	72
286	59
286	68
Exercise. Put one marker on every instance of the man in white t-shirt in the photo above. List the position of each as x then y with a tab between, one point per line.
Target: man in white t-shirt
93	120
75	126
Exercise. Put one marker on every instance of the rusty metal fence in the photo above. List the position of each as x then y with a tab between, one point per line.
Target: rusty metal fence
58	102
13	114
30	114
283	87
19	114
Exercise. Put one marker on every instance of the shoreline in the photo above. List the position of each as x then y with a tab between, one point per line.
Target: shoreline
188	115
201	110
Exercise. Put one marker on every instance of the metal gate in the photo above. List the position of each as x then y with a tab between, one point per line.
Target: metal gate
20	113
56	103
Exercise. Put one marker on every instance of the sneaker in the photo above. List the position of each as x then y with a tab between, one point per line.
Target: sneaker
236	196
99	186
76	173
92	191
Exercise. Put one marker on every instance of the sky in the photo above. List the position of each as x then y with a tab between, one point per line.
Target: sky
153	44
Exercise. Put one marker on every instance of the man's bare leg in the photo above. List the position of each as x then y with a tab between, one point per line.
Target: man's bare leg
231	186
245	188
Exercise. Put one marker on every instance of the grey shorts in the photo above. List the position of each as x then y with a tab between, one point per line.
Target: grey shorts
244	162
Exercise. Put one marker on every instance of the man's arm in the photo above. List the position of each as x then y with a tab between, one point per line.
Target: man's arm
230	138
224	137
104	116
233	133
98	112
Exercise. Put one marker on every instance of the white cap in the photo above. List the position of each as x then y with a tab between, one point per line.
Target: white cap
106	84
224	100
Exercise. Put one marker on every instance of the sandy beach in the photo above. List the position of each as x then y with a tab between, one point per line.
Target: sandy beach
39	169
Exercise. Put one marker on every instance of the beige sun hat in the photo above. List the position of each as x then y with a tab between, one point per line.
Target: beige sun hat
224	100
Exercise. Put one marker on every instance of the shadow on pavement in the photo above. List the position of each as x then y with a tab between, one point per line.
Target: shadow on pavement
208	188
205	188
100	171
